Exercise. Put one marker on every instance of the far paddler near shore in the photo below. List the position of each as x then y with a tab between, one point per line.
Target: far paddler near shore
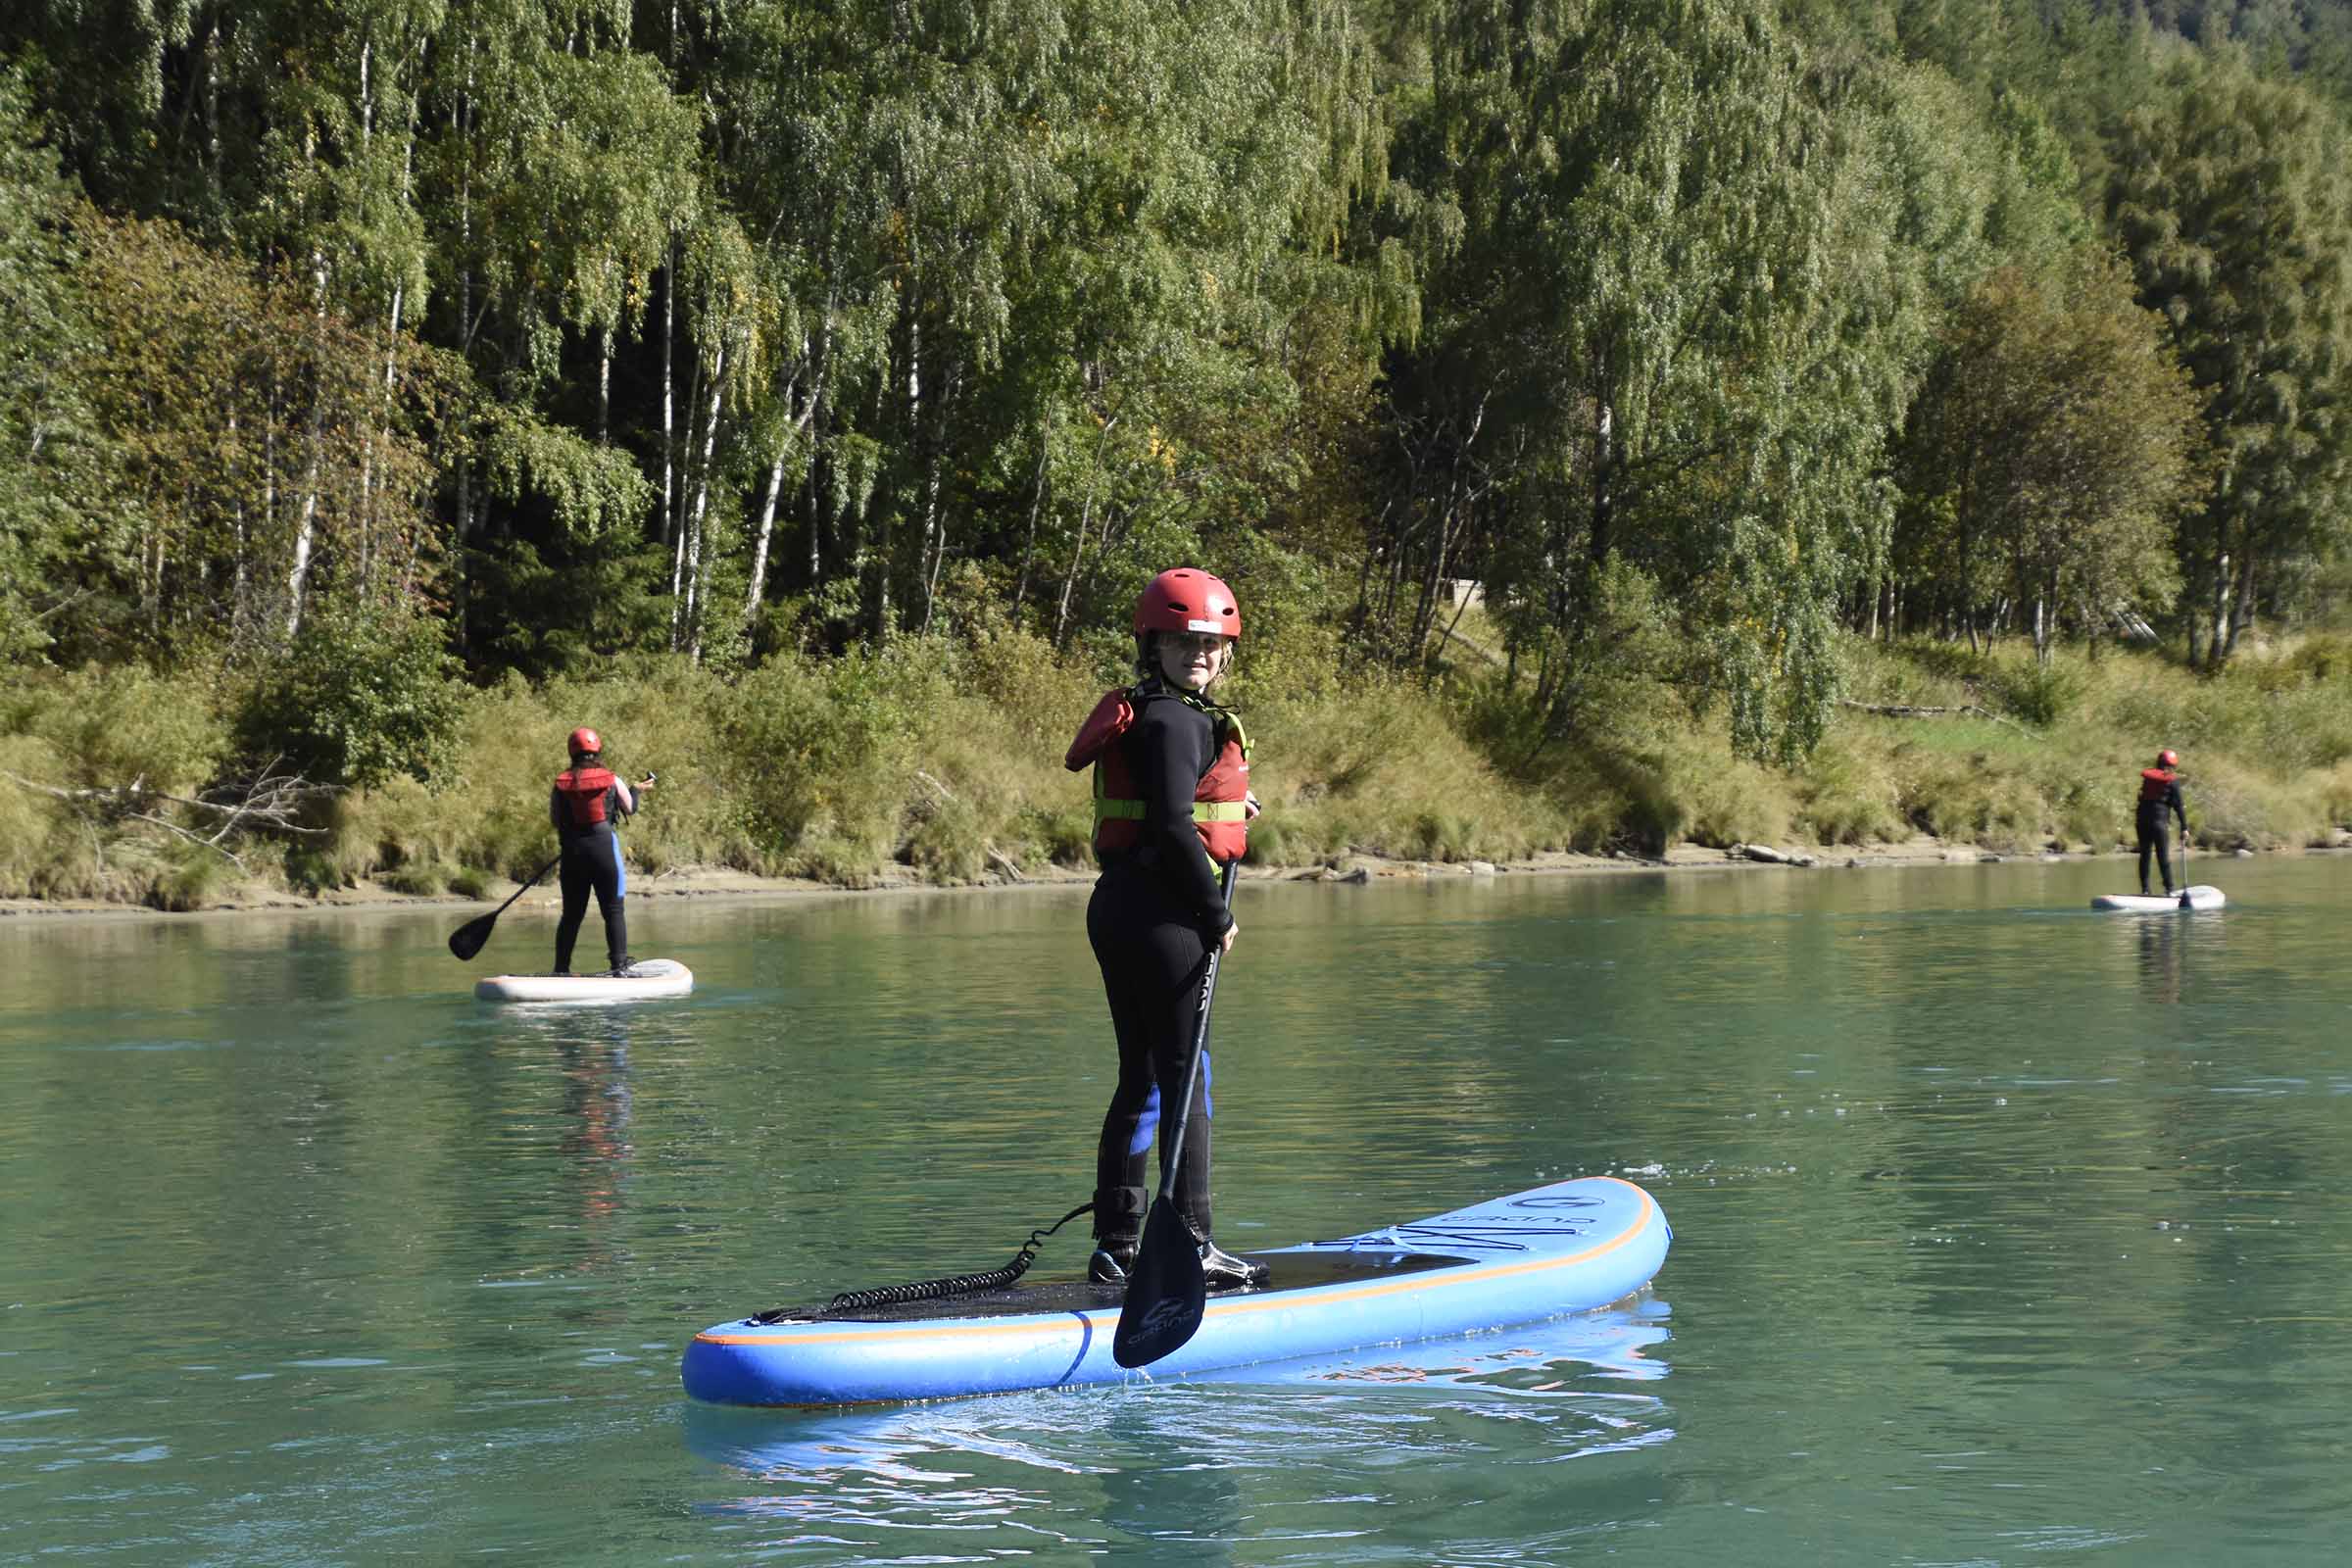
2160	804
1172	807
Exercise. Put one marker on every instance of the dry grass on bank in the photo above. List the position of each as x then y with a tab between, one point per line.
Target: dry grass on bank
944	759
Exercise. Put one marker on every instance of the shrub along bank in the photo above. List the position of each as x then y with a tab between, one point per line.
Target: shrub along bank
941	759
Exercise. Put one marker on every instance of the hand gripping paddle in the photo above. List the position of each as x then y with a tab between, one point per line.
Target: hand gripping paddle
1166	1293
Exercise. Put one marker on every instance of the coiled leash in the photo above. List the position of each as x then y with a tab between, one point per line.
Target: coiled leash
930	1289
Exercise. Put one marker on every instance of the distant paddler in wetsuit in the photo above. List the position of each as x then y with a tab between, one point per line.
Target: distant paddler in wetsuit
586	806
2159	805
1172	804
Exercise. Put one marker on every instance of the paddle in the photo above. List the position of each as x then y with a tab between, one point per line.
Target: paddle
467	940
2184	866
1166	1290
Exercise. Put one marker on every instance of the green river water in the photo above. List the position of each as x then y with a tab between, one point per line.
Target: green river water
2006	1233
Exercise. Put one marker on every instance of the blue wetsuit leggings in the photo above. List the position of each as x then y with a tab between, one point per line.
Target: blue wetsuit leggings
593	862
1152	955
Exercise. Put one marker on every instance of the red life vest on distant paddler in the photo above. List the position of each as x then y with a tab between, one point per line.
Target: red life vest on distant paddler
1220	810
584	791
2156	783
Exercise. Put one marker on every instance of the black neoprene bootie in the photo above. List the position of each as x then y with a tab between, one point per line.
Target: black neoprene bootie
1119	1232
623	965
1222	1271
1113	1260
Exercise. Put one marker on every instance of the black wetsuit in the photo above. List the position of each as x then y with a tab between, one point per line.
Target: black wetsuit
592	862
1154	916
2155	814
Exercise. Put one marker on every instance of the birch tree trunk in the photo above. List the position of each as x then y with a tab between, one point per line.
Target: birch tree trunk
306	525
1086	518
669	319
1037	500
935	531
698	573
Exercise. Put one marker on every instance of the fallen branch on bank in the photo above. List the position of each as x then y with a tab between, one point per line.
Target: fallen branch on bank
270	802
1769	855
1913	711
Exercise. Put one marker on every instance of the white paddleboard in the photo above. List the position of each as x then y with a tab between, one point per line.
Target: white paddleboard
2200	897
649	978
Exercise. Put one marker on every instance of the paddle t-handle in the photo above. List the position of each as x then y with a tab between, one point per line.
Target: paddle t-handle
1166	1292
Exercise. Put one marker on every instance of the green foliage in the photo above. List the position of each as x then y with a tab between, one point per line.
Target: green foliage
1664	340
106	728
2040	692
56	464
1849	795
823	754
1377	766
194	882
803	393
417	878
2049	456
355	698
79	752
2228	194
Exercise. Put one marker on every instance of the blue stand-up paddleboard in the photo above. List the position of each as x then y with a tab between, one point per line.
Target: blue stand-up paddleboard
1568	1247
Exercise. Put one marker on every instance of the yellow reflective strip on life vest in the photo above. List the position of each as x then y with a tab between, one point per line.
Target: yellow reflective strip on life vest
1110	810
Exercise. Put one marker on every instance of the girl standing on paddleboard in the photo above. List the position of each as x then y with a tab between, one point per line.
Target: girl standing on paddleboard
1172	804
586	804
2159	803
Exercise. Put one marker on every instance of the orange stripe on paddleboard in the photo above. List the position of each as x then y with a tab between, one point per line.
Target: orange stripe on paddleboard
1056	1324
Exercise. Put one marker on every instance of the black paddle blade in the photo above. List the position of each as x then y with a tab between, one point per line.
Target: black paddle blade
467	940
1166	1291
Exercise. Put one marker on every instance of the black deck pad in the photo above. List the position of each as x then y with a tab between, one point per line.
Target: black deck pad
1292	1271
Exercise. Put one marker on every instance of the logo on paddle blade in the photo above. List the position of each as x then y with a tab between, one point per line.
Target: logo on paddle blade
1164	1317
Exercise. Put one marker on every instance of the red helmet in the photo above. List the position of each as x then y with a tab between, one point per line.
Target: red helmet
585	740
2168	758
1187	600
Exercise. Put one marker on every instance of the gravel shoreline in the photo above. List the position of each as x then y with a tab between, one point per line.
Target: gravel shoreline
1348	869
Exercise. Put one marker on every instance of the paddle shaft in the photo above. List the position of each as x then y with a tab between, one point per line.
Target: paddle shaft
536	878
1191	1073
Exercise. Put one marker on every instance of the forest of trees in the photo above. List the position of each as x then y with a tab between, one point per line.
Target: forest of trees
455	339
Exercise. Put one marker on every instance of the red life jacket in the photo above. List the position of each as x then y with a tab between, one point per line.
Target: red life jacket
1220	813
584	794
2156	783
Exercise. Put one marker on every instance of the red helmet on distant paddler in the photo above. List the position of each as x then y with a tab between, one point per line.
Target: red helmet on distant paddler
2168	758
1187	598
585	742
